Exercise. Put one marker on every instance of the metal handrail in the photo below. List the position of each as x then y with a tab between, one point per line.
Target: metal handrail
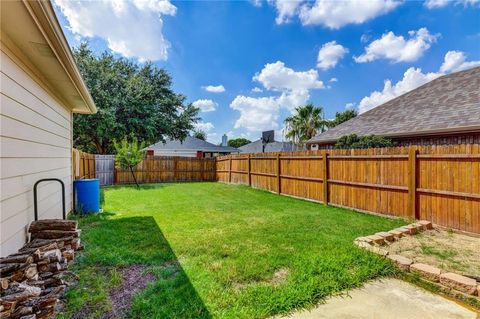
35	204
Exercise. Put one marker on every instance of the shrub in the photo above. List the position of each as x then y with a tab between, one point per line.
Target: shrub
129	155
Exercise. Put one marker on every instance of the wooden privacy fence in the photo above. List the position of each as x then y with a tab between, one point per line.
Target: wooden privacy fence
436	183
83	164
158	169
105	169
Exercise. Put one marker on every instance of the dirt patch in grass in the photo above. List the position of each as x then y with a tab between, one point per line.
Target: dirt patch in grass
278	278
446	250
133	280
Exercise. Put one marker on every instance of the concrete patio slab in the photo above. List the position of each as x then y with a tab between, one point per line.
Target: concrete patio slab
387	298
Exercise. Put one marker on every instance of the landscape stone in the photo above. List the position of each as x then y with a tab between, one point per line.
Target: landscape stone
396	233
404	231
426	224
427	271
411	229
459	282
418	226
364	239
402	262
385	235
379	240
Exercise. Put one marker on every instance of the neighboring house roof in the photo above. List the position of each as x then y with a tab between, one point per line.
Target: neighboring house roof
191	144
257	147
32	34
447	105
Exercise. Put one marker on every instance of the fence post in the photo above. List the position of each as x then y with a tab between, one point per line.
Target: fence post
115	176
175	168
230	169
249	171
325	177
94	167
279	181
74	164
412	182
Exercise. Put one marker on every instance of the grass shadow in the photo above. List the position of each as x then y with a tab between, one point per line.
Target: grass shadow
112	243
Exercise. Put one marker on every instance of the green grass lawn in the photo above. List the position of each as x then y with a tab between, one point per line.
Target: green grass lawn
222	251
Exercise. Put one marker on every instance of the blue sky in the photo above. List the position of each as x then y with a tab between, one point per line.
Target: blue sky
248	64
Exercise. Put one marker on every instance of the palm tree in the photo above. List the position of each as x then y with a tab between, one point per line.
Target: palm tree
304	124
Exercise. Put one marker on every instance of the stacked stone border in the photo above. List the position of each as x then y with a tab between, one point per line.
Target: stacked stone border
459	283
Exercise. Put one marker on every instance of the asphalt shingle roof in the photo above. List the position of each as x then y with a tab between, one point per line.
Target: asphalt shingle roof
191	143
450	103
256	147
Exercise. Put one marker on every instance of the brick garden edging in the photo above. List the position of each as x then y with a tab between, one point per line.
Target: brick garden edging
451	280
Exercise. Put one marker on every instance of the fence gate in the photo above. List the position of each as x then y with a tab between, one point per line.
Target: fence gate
105	169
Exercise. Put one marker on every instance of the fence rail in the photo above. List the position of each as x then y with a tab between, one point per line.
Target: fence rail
438	183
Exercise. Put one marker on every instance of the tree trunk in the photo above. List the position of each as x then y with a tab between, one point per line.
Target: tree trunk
134	178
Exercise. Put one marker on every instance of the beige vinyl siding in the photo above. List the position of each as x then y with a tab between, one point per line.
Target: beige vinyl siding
36	142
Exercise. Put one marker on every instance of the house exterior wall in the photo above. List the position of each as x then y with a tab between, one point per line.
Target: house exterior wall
187	153
183	153
441	140
470	138
36	143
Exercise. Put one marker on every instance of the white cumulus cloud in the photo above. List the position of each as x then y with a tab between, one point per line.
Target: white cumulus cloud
332	14
277	77
350	105
414	77
262	113
397	48
256	114
329	55
214	88
204	126
336	14
257	90
456	61
205	105
434	4
332	80
293	87
286	9
130	28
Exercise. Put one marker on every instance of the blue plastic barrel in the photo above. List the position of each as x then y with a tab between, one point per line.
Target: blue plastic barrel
87	195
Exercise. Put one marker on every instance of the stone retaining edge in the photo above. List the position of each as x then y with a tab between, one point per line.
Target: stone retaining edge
456	282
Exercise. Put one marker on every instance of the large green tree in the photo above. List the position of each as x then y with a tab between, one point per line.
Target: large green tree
341	117
131	99
305	123
238	142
